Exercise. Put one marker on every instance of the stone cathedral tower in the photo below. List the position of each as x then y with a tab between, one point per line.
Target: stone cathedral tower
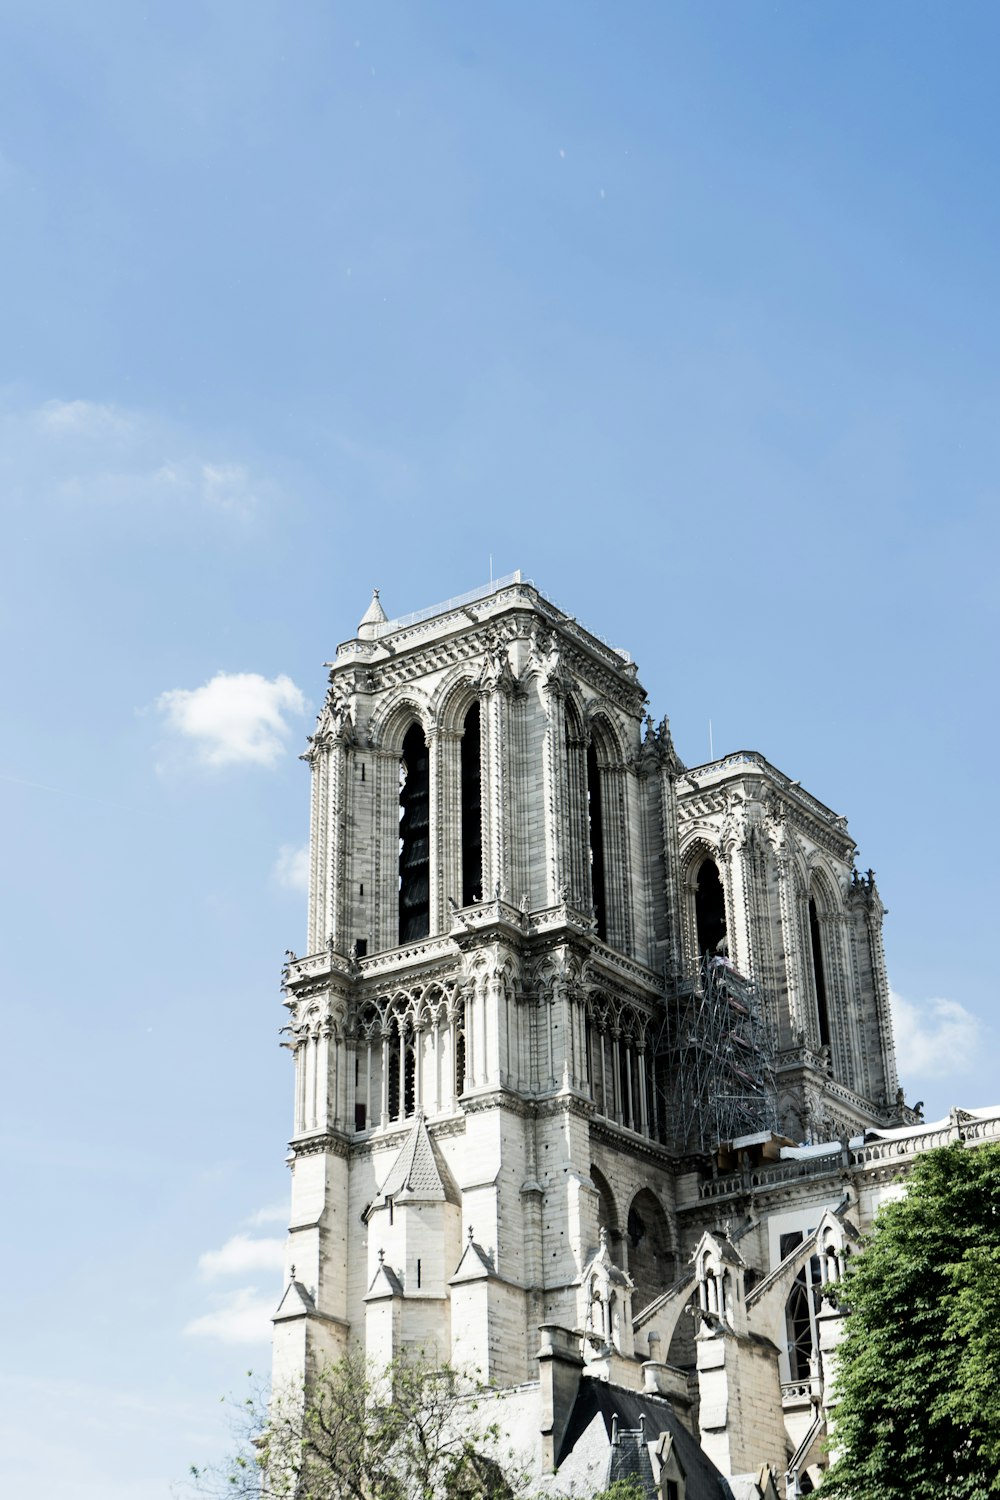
536	946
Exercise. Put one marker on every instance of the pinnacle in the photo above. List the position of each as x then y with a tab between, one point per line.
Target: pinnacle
374	614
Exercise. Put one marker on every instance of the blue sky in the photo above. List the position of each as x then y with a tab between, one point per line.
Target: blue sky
689	311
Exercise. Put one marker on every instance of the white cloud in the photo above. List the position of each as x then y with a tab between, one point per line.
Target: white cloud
291	868
934	1037
241	1254
241	1317
83	418
236	718
274	1213
95	453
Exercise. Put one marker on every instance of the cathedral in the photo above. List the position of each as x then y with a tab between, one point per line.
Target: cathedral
594	1074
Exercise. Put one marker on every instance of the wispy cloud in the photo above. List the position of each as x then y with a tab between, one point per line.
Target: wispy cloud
274	1213
241	1254
235	718
291	868
89	419
934	1037
240	1317
97	453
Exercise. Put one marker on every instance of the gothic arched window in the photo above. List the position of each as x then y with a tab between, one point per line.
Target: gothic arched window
472	811
819	975
800	1320
595	819
414	837
709	909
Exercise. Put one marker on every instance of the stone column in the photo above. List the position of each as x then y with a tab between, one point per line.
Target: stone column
444	752
327	757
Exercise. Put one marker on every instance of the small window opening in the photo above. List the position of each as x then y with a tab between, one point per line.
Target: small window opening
595	817
710	911
624	1092
788	1242
460	1060
409	1078
393	1079
361	947
414	837
418	1273
472	809
362	770
361	888
818	975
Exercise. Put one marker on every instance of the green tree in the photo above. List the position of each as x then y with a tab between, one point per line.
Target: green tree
409	1432
919	1367
622	1489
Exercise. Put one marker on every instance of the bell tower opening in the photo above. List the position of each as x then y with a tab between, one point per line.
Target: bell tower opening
710	909
819	976
414	837
595	820
472	810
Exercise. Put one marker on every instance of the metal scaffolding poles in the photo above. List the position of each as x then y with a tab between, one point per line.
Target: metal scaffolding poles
715	1060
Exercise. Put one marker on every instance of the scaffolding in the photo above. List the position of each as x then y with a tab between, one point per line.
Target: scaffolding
715	1060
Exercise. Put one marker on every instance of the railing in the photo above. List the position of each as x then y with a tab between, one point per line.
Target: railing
754	758
486	591
796	1392
964	1128
766	1177
328	961
402	622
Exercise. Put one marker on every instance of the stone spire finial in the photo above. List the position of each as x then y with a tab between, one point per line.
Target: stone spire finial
381	1256
470	1234
373	617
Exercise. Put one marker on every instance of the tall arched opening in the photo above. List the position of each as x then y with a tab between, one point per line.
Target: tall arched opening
651	1261
819	975
595	822
710	910
472	809
414	837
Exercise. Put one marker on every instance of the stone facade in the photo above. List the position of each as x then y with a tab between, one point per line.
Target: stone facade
522	910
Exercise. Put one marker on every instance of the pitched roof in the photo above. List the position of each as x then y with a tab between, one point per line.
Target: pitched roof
385	1282
419	1173
475	1264
296	1301
702	1479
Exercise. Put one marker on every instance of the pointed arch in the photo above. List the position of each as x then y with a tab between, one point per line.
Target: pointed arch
607	830
453	699
607	1209
414	835
471	804
652	1263
392	719
711	927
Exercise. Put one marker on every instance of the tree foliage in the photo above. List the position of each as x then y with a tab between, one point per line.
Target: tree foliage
919	1367
622	1489
409	1432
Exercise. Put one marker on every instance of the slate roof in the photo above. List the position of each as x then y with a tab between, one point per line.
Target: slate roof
475	1264
703	1480
374	614
418	1172
295	1301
